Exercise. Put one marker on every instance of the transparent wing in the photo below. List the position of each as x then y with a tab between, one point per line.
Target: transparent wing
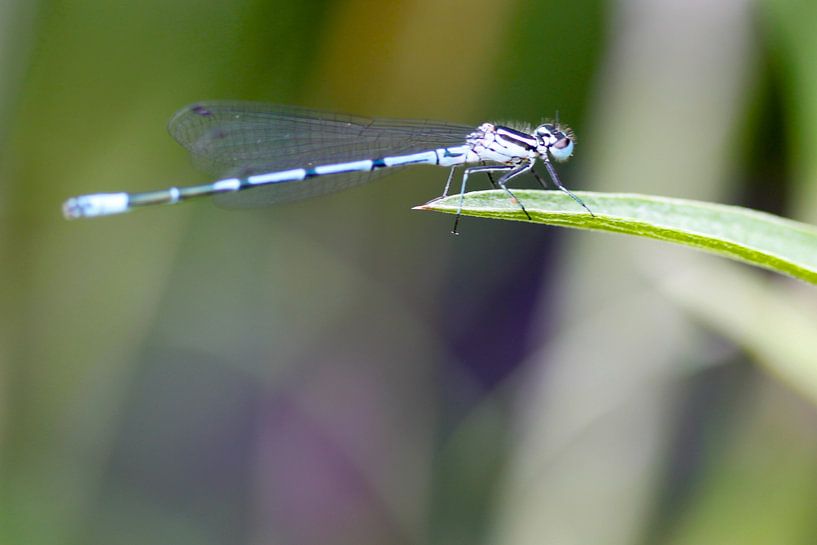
245	138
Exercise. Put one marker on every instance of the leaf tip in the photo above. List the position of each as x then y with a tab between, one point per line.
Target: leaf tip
428	205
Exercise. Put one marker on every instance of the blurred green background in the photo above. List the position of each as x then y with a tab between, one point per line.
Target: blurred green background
342	370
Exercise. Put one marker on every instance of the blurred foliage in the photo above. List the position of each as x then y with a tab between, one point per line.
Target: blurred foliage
344	372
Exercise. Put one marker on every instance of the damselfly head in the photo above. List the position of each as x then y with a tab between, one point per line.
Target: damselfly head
555	140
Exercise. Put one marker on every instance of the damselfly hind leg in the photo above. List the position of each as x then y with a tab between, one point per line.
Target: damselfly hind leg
510	171
448	182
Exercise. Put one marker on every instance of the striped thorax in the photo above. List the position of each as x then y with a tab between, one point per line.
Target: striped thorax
502	144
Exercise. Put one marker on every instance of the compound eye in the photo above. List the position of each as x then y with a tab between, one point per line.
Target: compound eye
562	149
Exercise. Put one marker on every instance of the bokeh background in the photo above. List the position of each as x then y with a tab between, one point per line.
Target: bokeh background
342	371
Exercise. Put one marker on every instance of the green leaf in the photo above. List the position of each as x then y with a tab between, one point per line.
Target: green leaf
762	239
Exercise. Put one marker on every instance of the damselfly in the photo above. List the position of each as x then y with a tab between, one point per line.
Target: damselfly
266	154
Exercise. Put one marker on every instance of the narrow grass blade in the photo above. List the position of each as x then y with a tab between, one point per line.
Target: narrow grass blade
762	239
